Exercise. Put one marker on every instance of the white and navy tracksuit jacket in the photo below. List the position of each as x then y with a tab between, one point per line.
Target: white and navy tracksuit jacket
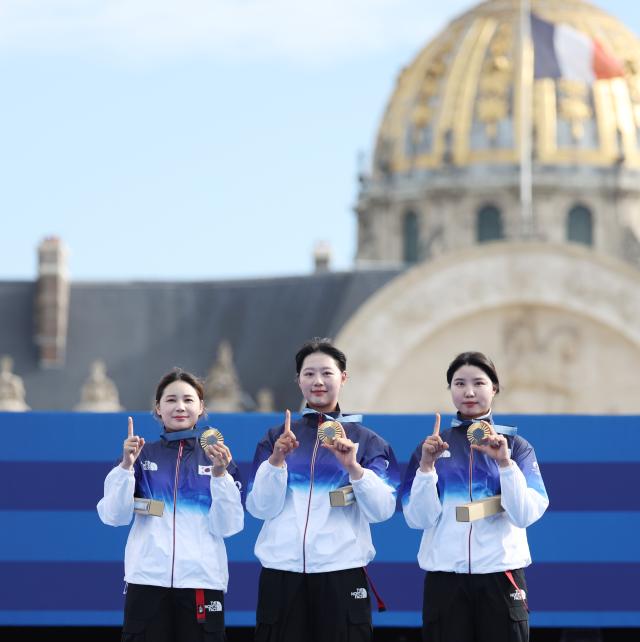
301	531
493	544
184	548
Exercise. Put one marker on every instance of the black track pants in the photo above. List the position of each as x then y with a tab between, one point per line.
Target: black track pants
474	608
313	607
159	614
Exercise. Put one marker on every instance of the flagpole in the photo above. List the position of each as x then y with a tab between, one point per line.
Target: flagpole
526	120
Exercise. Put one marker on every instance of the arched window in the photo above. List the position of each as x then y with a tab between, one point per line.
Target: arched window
410	240
580	225
489	224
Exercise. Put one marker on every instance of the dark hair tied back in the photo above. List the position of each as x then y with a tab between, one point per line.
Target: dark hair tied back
325	346
178	374
474	359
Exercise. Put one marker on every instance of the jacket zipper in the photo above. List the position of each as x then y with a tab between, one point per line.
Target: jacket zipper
470	499
175	503
306	522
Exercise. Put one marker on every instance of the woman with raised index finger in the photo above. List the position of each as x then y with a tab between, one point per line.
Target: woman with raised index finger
175	558
475	588
313	585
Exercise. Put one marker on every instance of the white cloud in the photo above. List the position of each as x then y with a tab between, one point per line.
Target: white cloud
311	30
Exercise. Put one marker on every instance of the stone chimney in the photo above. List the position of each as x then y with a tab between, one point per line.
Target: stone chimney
52	302
322	257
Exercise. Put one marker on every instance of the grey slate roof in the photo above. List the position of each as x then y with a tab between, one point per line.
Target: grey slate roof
143	329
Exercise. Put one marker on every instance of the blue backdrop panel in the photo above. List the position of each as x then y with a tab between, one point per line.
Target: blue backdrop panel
61	565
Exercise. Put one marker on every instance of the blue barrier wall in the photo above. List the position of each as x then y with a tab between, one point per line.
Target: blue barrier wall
61	566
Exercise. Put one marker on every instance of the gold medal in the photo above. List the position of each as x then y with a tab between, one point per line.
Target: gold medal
211	437
478	431
329	431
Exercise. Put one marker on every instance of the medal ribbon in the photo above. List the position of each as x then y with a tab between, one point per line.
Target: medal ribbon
343	419
177	435
501	430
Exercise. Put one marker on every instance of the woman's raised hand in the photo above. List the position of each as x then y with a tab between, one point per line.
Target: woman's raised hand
286	443
432	447
131	447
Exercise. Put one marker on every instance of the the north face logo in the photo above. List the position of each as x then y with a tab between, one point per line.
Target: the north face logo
149	465
359	594
213	606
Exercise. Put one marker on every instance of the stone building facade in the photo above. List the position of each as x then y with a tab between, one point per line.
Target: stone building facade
447	258
551	293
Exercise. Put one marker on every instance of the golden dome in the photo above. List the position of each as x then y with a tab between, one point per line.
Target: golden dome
458	103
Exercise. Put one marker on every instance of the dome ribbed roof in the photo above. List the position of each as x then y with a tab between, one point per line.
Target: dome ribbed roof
458	103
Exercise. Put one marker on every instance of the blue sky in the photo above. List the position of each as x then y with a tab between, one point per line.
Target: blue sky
197	139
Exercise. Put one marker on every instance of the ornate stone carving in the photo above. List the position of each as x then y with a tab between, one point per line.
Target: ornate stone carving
434	243
423	112
493	102
539	363
99	392
574	105
571	355
12	393
264	400
222	390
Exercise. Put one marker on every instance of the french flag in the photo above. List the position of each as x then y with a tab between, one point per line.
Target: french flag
560	51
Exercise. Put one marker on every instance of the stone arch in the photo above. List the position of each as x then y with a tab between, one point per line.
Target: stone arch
570	314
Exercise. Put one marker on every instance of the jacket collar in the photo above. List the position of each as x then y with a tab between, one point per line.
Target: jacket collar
335	415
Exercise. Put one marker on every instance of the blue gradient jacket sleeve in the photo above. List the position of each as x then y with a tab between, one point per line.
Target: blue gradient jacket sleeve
226	515
524	497
268	488
375	491
424	509
116	506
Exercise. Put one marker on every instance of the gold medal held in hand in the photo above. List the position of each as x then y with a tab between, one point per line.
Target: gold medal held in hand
329	431
478	431
211	437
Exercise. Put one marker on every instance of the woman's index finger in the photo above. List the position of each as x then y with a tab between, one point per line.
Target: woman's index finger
287	421
130	427
492	430
436	425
